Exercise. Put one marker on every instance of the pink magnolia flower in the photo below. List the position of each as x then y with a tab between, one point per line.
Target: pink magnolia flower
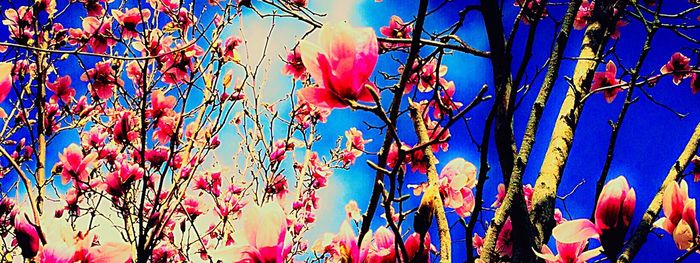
99	33
430	75
294	65
457	179
75	163
679	211
300	3
229	50
27	236
20	23
695	83
5	80
119	181
346	248
531	10
94	7
62	89
161	104
110	252
355	143
382	249
568	253
606	79
265	229
130	19
679	66
396	29
616	34
446	101
341	65
103	80
613	216
584	14
178	64
352	211
414	250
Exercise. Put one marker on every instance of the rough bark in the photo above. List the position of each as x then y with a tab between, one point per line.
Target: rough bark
431	199
514	202
592	49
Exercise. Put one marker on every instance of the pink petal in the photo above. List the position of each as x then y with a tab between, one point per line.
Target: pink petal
575	231
321	97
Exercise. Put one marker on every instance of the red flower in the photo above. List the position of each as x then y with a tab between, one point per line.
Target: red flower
533	10
229	50
606	79
62	89
99	33
129	20
161	104
294	66
584	14
679	66
103	80
396	29
695	82
341	66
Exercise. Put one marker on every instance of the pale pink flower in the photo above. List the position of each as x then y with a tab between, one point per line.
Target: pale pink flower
346	248
341	65
568	253
457	179
679	215
265	229
382	249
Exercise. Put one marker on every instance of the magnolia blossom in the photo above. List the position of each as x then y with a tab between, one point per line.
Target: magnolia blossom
103	80
382	249
584	14
130	19
457	179
341	65
607	79
75	163
264	229
679	215
294	65
346	248
679	66
568	253
613	215
61	89
396	29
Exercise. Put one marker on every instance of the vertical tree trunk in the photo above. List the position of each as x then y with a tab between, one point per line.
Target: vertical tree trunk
592	49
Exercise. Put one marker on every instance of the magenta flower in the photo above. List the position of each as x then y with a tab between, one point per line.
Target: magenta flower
679	211
27	236
99	33
229	50
695	83
161	104
341	65
75	163
415	252
382	249
103	80
265	229
613	215
606	79
5	80
584	14
679	66
396	29
129	20
20	23
294	66
346	248
62	89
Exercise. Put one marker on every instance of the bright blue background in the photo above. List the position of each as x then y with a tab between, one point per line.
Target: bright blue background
650	139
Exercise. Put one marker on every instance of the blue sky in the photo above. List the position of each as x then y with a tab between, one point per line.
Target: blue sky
650	140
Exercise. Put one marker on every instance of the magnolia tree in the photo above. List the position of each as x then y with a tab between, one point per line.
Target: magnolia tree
132	97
